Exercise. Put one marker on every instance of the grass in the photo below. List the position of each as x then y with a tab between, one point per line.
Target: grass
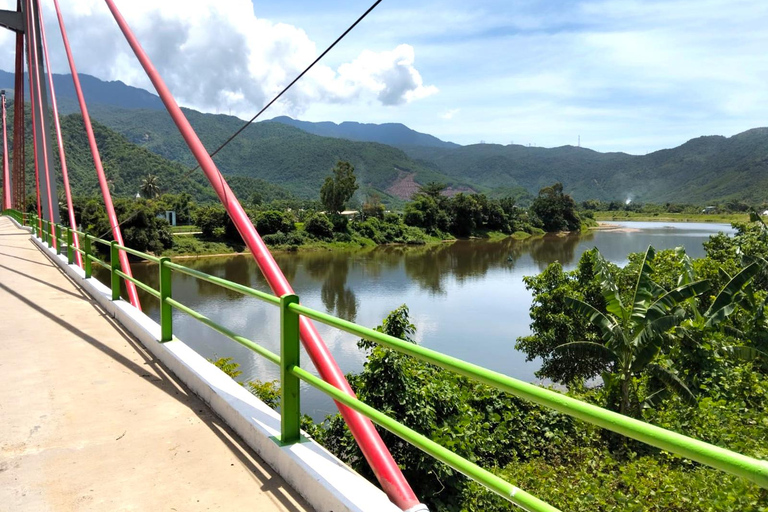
726	218
184	229
195	245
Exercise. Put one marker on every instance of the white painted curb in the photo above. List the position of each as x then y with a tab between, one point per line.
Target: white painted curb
324	481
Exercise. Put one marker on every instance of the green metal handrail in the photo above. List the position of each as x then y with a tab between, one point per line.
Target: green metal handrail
290	310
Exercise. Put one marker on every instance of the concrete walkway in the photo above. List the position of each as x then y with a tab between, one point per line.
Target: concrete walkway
90	421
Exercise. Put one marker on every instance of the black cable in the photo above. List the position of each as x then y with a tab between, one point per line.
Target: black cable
238	132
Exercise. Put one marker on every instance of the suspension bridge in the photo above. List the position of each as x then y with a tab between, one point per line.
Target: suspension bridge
103	407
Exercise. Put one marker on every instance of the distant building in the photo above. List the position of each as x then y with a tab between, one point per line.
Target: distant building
709	209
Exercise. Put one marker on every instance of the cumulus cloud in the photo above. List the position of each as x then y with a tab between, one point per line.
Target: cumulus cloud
220	56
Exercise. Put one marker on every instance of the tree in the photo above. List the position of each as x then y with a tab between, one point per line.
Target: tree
372	207
319	226
466	213
150	186
556	210
210	219
338	189
632	334
272	221
433	189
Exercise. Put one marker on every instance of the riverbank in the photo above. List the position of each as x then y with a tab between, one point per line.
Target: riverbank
725	218
194	245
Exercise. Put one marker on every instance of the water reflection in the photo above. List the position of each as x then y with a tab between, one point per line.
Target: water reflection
466	298
332	271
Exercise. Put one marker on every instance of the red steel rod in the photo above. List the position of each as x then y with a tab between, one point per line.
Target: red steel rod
133	296
6	168
59	139
39	99
19	173
32	103
387	472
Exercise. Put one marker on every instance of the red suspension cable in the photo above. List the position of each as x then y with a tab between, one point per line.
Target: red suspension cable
39	99
133	296
6	168
32	103
386	470
59	139
19	171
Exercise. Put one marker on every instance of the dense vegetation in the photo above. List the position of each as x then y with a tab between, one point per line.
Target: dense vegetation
272	151
702	170
680	343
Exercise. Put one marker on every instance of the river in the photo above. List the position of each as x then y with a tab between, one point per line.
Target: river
466	298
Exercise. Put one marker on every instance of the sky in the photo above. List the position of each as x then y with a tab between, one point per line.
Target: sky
632	76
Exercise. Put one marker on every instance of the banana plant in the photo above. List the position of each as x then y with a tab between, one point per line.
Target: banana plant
738	291
632	334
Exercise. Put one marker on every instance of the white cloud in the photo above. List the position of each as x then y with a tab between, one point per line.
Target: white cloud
218	55
448	114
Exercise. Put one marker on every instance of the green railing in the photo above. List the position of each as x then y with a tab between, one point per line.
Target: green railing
291	373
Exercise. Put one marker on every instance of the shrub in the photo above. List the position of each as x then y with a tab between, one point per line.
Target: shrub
272	221
319	226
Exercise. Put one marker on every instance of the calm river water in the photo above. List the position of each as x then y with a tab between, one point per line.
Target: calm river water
467	298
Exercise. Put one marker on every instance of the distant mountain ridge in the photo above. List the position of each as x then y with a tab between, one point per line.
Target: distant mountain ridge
297	155
392	134
95	90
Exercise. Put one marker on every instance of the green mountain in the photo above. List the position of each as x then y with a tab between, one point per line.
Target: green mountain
275	152
127	164
114	93
283	152
392	134
704	169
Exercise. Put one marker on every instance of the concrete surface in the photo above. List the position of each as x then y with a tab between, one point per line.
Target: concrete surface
89	420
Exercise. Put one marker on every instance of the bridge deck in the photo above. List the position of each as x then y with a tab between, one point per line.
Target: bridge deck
90	421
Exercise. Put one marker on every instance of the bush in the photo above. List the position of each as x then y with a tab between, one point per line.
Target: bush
209	219
272	221
319	226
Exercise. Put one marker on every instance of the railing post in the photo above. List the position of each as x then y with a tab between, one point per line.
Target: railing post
70	247
87	255
114	264
51	233
166	313
57	236
290	409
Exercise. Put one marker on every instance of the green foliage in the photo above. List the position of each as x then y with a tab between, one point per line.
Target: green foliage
318	225
338	189
150	187
139	223
272	221
227	365
702	170
183	204
589	480
266	391
556	210
477	422
209	219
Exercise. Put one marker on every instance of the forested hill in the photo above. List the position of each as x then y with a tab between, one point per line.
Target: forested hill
272	151
393	134
114	93
705	169
127	165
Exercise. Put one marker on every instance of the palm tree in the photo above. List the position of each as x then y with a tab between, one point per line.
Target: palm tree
632	334
150	186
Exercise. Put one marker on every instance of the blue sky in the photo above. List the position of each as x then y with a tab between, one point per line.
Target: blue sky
626	76
632	76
